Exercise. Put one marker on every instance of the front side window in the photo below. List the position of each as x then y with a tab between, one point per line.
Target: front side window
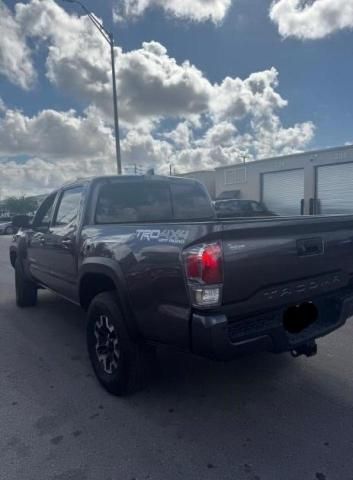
68	209
45	213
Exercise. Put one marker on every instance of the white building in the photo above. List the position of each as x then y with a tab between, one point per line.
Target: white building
319	181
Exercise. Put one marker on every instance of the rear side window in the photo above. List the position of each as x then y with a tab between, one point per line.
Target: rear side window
257	207
229	206
133	202
190	202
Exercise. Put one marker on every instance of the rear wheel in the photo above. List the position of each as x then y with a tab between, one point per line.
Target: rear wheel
119	363
26	290
9	231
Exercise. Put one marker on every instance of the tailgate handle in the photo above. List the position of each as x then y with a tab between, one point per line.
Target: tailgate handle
310	246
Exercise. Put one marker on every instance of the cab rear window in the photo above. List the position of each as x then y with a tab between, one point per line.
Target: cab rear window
191	202
133	202
121	202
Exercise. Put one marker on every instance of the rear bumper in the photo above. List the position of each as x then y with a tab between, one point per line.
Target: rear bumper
220	337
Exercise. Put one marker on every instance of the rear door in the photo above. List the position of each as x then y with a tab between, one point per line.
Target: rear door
60	242
283	192
38	260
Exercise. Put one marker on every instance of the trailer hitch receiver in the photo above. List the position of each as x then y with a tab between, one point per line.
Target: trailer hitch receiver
309	350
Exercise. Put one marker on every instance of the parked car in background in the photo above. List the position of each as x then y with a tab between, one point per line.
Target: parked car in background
241	208
12	225
7	228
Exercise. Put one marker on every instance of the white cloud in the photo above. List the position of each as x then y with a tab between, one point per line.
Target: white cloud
53	134
181	150
195	10
307	19
37	176
181	136
62	146
15	56
270	138
143	149
151	84
78	60
221	134
206	158
235	98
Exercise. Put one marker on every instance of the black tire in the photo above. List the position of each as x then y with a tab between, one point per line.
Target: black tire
9	231
123	368
26	290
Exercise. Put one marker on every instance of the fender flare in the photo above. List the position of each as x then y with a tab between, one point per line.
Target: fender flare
111	269
20	251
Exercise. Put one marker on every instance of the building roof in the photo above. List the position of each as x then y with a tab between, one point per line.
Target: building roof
299	154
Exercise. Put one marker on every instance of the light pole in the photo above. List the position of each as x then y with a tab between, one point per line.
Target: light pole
108	37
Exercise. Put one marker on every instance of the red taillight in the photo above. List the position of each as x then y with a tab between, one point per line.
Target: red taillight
204	264
192	266
212	271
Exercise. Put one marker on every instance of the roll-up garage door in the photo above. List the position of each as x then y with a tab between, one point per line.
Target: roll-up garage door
334	189
283	192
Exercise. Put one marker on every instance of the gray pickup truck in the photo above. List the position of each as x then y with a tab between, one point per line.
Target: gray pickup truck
149	261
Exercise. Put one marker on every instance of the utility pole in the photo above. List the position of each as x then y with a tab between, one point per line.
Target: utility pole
244	157
108	37
116	113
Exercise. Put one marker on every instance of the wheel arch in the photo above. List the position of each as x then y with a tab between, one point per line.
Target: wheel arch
104	275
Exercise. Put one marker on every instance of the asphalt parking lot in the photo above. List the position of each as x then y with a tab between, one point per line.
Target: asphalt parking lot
263	417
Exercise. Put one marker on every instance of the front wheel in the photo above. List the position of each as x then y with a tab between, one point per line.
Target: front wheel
119	363
9	231
26	290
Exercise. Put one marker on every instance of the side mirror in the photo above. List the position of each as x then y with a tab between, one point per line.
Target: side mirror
21	221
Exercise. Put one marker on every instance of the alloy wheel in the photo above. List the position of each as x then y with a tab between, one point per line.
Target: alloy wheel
107	344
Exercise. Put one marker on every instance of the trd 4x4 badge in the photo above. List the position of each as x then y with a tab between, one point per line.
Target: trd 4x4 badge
163	236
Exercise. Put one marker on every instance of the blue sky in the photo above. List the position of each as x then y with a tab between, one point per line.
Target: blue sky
315	77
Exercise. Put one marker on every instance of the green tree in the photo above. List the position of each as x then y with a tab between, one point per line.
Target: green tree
20	205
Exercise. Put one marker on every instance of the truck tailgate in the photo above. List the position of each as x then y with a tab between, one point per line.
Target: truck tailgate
277	261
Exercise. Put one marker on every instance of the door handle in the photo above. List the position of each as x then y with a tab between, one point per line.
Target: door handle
66	242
